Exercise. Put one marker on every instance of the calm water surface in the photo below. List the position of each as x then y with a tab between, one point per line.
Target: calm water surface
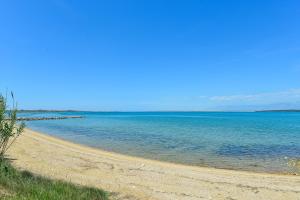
265	142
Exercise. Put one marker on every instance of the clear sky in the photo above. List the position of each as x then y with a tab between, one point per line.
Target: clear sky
151	55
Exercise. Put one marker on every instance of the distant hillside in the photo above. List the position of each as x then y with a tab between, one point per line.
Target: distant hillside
289	110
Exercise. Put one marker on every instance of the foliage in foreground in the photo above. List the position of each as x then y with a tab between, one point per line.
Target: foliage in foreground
23	185
9	129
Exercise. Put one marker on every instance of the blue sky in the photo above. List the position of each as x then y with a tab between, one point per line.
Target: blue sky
151	55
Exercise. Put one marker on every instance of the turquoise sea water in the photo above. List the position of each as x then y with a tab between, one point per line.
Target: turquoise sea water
265	142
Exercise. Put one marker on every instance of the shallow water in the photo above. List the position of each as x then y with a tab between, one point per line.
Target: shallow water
264	142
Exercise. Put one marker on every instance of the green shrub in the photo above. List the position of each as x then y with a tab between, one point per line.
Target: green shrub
9	129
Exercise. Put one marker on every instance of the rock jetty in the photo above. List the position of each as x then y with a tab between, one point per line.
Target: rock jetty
47	118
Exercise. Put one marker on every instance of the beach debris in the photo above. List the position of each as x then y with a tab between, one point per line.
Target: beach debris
295	163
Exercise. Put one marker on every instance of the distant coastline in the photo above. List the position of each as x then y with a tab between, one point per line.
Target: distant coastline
170	111
70	110
289	110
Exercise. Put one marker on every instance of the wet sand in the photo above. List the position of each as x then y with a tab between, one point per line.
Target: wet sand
137	178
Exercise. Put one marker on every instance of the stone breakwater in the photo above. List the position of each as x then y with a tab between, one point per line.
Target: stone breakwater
47	118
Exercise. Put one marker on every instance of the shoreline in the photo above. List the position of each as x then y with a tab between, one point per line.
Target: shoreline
140	178
142	159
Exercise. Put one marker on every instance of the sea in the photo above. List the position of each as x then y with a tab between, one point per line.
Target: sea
250	141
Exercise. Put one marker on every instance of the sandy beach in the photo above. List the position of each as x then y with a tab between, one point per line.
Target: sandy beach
137	178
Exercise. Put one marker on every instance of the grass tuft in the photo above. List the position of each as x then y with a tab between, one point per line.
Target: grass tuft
23	185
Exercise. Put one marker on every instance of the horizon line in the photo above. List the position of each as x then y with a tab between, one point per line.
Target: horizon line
71	110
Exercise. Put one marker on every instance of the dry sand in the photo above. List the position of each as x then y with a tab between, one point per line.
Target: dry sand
136	178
